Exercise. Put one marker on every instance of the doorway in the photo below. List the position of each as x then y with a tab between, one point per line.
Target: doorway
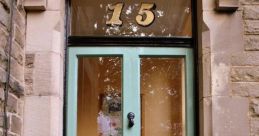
130	91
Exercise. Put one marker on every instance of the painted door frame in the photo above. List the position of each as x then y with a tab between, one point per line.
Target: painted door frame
131	64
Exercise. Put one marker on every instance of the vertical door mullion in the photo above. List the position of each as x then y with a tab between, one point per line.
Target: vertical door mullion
131	91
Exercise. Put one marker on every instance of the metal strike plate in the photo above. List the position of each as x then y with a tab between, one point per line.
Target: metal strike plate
227	5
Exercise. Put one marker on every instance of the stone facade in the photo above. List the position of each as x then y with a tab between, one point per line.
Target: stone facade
43	107
228	53
228	47
12	58
245	75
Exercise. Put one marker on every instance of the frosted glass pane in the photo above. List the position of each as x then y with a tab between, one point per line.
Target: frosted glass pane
99	96
162	97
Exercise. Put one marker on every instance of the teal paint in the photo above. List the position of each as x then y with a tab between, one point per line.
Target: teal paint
131	82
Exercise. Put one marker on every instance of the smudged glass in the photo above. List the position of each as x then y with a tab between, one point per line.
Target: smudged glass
99	96
172	18
162	97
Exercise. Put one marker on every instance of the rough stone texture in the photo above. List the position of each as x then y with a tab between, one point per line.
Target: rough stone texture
251	12
253	2
245	74
44	71
254	106
5	14
16	82
16	126
251	26
29	65
12	103
245	59
3	44
251	43
254	127
233	49
246	89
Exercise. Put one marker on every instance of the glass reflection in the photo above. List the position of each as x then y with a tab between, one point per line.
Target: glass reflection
172	18
162	97
99	96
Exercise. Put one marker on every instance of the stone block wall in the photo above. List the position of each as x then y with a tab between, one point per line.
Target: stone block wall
245	66
229	64
12	34
44	69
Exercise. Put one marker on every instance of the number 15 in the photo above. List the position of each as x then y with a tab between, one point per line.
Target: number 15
145	15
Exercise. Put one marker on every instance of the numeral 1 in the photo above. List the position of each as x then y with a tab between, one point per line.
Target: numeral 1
115	19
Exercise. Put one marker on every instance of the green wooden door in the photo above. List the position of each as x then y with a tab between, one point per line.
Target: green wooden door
141	69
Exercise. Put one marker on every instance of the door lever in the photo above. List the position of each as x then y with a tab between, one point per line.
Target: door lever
131	117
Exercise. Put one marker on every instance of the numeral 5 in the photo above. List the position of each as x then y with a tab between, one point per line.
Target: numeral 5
145	11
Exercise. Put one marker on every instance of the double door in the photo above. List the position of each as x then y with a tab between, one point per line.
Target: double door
130	91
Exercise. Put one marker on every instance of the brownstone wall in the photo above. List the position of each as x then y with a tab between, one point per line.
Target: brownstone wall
12	33
245	70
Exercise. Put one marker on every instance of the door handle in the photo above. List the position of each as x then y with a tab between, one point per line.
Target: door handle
131	117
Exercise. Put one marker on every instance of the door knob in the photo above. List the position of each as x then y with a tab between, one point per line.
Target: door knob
131	117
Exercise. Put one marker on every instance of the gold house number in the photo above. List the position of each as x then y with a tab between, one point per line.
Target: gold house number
145	15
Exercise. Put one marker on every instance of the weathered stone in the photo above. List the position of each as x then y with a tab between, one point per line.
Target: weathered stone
19	36
16	86
16	70
230	116
2	118
249	1
49	38
16	126
245	59
251	43
254	107
3	58
35	5
251	12
220	67
29	61
4	16
254	126
20	108
246	89
47	77
3	37
245	74
17	53
2	75
29	81
12	103
2	93
29	64
19	18
227	5
45	112
220	39
3	45
251	26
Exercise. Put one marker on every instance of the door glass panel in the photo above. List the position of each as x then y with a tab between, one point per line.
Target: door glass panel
99	96
162	96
